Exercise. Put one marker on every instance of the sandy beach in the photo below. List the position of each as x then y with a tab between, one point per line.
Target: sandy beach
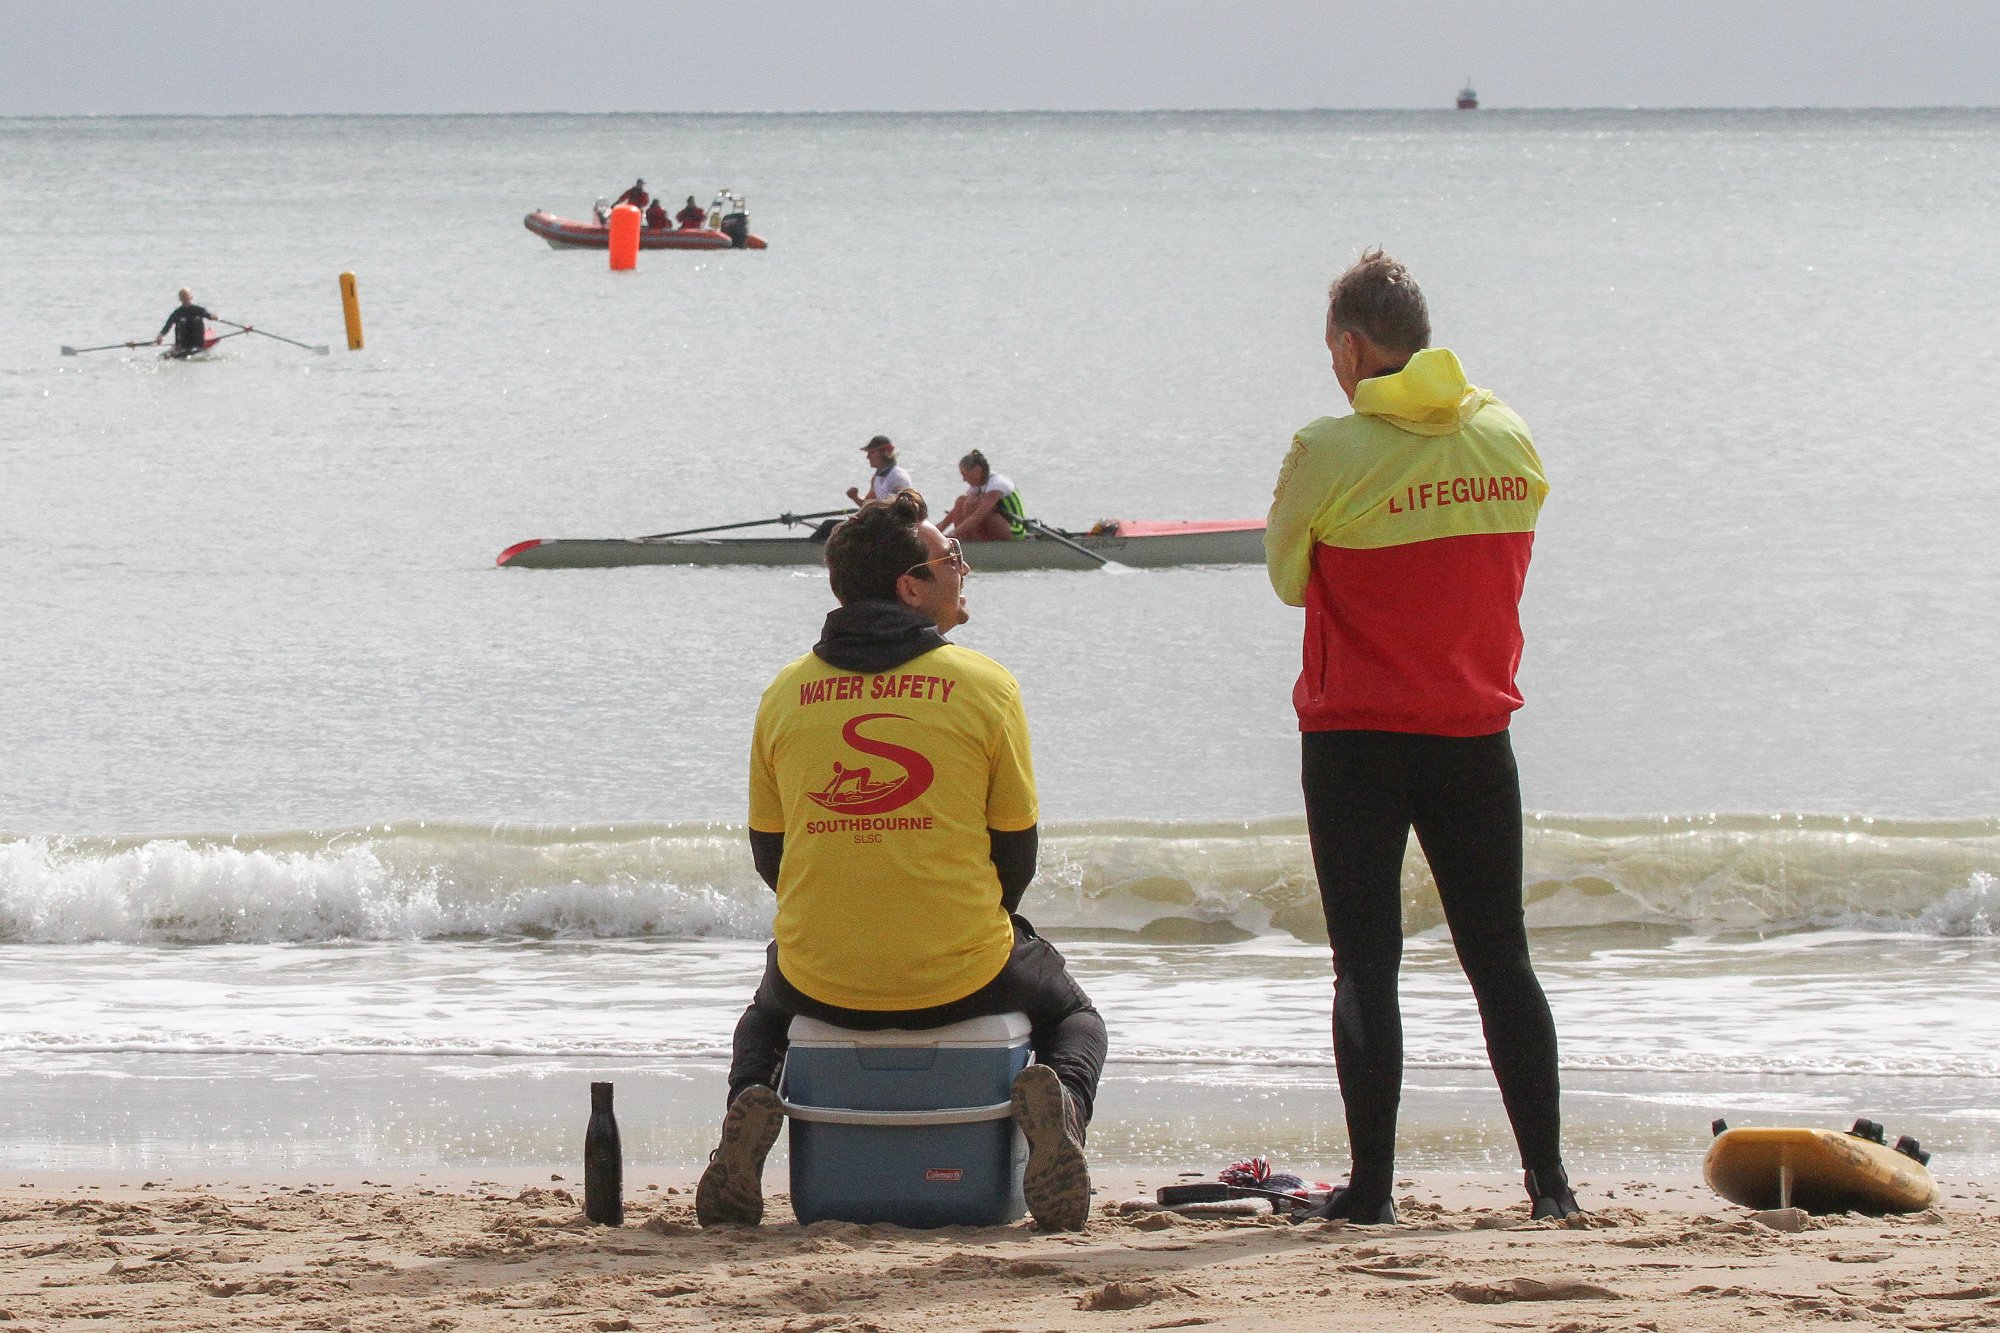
503	1254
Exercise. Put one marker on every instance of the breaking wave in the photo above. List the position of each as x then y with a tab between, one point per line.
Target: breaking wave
1169	882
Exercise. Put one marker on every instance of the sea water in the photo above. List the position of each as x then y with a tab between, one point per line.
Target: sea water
324	843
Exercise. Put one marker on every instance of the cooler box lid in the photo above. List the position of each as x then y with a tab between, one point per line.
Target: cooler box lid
997	1030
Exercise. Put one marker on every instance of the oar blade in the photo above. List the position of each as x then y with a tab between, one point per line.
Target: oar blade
322	350
68	350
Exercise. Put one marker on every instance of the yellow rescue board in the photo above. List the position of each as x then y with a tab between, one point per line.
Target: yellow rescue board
1819	1170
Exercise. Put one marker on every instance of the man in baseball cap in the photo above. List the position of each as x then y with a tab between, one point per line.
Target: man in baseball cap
889	475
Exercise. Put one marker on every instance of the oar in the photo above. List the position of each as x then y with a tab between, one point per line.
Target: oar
320	350
787	519
1045	530
79	351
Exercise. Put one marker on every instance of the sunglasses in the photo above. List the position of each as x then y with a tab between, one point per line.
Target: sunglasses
953	552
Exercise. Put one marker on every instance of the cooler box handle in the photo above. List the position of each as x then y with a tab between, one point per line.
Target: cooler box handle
950	1115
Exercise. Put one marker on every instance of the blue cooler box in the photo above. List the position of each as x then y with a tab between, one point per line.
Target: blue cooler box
910	1127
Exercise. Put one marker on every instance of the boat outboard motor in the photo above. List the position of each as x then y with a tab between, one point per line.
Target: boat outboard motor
736	226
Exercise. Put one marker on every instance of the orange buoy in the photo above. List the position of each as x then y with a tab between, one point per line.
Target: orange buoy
624	238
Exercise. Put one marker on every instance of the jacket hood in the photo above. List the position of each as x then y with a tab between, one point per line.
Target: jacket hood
1429	396
875	636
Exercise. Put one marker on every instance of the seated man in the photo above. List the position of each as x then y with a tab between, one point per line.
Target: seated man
656	214
189	324
892	809
691	216
990	510
889	476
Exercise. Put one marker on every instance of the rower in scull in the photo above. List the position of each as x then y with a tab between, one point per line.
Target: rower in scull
990	510
189	324
889	478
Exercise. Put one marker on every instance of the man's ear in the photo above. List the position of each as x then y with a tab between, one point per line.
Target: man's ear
906	592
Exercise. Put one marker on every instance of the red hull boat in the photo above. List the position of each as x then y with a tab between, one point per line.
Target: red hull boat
570	234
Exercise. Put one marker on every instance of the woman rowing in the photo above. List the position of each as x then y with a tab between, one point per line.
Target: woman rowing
990	510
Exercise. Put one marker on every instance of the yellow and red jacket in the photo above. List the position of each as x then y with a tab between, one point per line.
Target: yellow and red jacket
1405	532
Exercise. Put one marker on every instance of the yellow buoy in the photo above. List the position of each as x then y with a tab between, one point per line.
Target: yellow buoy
350	305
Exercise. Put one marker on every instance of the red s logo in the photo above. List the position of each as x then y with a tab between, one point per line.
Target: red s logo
854	791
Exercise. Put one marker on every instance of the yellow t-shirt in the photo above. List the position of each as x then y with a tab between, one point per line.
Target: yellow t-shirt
884	784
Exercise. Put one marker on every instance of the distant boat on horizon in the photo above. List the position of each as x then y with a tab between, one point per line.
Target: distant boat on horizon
1468	100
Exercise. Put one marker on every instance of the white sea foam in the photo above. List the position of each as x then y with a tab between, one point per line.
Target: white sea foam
1810	1003
1971	910
368	885
1167	882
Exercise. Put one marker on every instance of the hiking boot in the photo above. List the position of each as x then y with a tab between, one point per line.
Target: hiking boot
731	1192
1058	1179
1549	1194
1344	1205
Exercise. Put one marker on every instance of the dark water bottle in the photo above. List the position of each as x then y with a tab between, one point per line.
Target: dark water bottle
603	1162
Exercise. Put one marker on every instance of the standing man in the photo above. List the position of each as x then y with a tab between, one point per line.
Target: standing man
893	811
1404	530
635	196
889	475
190	329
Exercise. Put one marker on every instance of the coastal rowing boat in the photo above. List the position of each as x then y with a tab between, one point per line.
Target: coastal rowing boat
1142	544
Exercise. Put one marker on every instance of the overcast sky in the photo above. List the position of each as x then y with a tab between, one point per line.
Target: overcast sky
231	56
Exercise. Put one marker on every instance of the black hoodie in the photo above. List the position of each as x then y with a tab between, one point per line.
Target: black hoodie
875	636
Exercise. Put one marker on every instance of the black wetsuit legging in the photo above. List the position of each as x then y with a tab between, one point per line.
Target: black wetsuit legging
1364	792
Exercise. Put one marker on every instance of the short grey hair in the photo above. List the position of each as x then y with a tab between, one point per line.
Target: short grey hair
1378	299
